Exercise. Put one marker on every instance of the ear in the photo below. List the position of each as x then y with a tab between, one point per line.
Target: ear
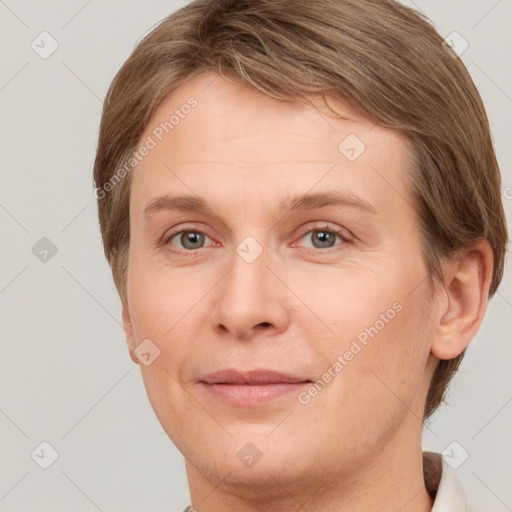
466	289
128	332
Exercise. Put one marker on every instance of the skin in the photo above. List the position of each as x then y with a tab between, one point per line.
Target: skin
357	444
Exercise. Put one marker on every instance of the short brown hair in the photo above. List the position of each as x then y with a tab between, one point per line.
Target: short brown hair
384	59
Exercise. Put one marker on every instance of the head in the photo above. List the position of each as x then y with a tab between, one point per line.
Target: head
248	105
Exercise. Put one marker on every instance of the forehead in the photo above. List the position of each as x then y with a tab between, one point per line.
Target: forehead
223	135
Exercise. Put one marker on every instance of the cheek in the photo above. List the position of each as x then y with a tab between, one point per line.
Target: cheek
346	304
386	377
157	300
158	313
381	331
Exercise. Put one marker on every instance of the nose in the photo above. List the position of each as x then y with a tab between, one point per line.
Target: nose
251	299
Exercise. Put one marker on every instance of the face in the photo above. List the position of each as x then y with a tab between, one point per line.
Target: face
294	268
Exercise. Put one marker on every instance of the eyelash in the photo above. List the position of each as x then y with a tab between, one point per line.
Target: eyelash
324	228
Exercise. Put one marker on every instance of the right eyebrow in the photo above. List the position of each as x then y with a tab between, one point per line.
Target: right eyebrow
179	203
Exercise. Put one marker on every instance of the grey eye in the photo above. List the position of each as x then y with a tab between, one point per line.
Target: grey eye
324	238
191	239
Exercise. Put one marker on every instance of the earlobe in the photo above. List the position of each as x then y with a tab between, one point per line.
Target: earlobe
467	283
128	332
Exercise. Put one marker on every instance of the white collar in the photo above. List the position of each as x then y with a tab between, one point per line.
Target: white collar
444	484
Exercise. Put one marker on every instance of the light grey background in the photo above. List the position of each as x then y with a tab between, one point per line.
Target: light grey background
66	376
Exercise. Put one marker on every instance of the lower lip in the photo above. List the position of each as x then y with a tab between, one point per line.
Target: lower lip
250	395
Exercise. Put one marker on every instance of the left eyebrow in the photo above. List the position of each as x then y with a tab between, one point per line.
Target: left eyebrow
333	198
300	202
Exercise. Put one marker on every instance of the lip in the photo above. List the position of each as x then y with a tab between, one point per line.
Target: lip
251	388
251	377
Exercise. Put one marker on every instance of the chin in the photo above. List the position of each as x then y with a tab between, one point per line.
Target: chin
265	478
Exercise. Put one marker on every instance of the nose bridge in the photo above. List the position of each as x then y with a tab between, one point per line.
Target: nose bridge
249	296
249	273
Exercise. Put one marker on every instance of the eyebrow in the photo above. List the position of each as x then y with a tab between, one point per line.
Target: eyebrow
301	202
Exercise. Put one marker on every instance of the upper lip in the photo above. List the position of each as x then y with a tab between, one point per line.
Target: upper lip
257	376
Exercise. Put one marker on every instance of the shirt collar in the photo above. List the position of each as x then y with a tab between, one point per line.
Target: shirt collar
442	484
